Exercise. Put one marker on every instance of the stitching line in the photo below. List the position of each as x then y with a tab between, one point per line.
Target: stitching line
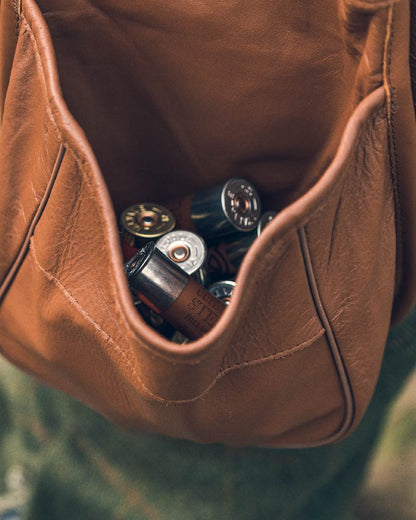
332	341
371	121
43	82
221	374
83	312
274	357
81	167
18	260
390	98
268	264
81	164
17	8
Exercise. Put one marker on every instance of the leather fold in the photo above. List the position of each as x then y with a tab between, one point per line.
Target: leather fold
174	101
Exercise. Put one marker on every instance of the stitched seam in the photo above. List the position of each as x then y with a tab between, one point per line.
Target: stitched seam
84	173
269	264
338	359
330	334
83	312
17	8
247	364
393	156
114	293
39	65
87	316
277	356
278	246
19	258
345	382
75	156
326	200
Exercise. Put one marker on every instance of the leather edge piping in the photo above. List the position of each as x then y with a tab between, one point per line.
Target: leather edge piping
72	134
17	262
332	342
390	104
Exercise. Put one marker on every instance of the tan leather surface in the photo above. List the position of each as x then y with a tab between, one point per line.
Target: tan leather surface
402	139
8	37
306	100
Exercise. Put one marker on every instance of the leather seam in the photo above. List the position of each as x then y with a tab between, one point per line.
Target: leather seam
276	245
80	165
274	357
85	174
83	312
17	262
393	156
17	8
77	159
342	178
39	65
330	335
85	177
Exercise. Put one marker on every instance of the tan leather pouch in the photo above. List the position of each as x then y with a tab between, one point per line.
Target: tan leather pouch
107	103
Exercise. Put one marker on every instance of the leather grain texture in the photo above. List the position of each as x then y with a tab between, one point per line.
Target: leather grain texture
311	102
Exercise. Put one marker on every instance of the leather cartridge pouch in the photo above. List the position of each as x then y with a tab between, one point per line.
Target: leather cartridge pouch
106	103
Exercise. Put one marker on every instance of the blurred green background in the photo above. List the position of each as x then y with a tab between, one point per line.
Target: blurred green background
61	461
389	492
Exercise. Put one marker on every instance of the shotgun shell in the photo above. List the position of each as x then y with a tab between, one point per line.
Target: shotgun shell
265	220
143	222
171	292
222	290
234	206
227	255
186	249
154	319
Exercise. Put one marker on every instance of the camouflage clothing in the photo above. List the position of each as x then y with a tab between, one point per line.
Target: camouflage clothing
60	460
